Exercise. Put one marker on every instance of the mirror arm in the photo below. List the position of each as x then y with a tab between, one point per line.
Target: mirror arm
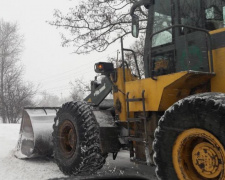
146	3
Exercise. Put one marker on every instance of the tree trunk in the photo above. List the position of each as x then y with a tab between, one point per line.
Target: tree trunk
3	114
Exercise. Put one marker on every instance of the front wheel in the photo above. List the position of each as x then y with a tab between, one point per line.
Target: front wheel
76	139
190	139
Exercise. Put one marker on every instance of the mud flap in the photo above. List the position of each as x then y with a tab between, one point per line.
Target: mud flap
35	138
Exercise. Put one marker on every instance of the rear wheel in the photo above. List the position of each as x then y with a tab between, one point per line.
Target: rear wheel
189	141
76	139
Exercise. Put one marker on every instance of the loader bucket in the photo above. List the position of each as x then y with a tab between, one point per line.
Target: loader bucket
35	137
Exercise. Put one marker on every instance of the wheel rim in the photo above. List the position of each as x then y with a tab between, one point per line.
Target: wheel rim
68	138
197	154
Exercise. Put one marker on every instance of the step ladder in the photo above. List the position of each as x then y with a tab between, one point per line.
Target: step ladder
132	138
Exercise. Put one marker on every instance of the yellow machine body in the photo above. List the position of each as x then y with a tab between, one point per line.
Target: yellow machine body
119	91
217	83
168	89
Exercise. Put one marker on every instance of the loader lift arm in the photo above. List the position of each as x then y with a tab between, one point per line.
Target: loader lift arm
99	91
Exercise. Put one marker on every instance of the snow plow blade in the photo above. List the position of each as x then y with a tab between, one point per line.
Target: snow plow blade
35	138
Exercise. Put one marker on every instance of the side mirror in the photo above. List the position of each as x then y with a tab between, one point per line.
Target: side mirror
135	26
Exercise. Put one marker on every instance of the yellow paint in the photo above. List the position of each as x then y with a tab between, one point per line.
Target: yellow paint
120	95
217	83
165	91
217	31
187	158
168	89
206	154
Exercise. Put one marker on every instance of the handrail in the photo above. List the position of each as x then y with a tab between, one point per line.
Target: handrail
123	61
123	64
135	59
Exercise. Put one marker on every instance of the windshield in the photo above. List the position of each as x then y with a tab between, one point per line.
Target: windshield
162	20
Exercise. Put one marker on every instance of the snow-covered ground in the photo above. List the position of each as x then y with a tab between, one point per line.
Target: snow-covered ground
12	168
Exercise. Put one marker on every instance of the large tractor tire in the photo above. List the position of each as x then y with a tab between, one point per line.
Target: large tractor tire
76	139
190	139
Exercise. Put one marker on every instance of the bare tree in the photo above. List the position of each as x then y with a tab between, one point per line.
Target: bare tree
138	48
17	95
79	89
14	93
94	24
50	100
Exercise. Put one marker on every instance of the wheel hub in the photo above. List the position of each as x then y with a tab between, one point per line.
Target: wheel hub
207	160
198	154
67	134
71	138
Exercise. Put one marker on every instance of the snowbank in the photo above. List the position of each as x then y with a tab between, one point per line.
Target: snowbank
12	168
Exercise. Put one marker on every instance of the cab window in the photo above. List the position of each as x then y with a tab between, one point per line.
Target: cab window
223	16
162	20
190	13
215	14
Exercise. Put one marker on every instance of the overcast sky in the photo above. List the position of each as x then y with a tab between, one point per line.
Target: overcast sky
46	62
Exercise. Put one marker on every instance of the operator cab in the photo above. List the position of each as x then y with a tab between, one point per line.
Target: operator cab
179	39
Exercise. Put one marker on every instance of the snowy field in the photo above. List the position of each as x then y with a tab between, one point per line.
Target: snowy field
12	168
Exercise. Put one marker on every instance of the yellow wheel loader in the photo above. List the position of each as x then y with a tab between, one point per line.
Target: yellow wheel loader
174	117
